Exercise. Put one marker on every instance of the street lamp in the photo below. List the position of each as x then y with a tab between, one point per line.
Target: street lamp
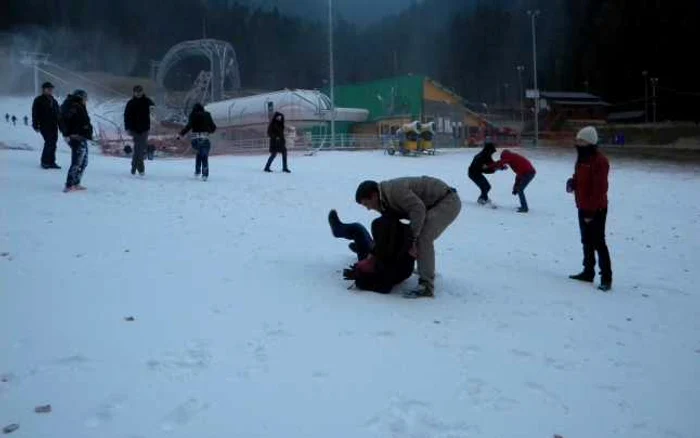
331	69
520	69
645	74
533	15
654	84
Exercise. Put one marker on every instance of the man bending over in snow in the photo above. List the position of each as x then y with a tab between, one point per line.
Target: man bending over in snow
383	262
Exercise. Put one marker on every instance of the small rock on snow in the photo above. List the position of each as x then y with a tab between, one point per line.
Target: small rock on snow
4	254
129	319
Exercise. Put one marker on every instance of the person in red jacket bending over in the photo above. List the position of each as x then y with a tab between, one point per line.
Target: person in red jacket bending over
524	173
590	185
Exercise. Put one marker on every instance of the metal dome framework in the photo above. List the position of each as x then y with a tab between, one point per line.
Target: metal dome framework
222	58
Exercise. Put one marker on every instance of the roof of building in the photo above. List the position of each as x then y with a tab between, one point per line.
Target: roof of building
581	103
567	95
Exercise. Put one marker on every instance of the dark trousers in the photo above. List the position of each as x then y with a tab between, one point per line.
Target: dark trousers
78	162
273	154
593	240
362	241
201	163
520	184
48	155
483	184
140	146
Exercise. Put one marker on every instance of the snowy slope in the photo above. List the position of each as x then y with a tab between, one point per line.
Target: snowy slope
244	328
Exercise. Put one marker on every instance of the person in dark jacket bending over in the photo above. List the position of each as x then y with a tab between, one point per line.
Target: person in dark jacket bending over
77	130
137	122
481	164
278	145
428	203
383	258
590	186
45	121
201	124
524	174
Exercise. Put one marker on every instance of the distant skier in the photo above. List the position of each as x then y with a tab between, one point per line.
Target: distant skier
524	174
278	144
481	164
431	206
14	120
137	122
45	114
76	128
383	261
201	124
26	121
590	186
7	118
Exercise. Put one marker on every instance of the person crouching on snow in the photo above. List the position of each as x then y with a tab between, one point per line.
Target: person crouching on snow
383	258
524	174
481	164
201	124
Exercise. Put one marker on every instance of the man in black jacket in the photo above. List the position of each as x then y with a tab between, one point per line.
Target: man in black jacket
137	122
384	258
45	121
481	164
76	128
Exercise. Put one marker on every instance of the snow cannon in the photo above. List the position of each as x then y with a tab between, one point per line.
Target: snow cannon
412	132
427	133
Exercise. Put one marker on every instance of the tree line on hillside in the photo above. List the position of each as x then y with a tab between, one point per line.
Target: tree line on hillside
473	47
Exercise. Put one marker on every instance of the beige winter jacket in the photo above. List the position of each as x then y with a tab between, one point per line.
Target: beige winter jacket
412	197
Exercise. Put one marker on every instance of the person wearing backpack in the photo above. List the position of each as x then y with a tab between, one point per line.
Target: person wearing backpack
77	130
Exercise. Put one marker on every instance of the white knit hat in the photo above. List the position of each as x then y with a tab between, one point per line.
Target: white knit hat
588	134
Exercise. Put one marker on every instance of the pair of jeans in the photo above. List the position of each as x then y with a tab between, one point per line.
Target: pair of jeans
203	147
78	162
593	240
361	240
521	182
48	155
140	147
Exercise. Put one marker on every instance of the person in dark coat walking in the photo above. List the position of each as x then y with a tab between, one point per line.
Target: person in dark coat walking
278	144
201	124
14	120
383	257
45	115
590	186
481	164
7	118
77	129
137	122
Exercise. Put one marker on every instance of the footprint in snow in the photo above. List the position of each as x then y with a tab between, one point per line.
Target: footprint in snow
183	414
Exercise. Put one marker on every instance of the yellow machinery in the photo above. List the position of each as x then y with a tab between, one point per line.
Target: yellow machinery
427	133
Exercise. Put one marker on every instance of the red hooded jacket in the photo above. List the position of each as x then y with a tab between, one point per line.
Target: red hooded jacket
520	165
591	183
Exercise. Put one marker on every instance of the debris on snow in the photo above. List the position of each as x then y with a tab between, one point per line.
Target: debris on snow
44	409
129	319
10	428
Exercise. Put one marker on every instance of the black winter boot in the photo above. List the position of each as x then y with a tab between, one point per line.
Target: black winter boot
584	276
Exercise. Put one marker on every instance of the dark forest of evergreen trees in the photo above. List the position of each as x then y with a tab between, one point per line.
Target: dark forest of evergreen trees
472	46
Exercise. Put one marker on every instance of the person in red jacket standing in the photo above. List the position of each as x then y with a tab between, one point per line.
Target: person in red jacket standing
524	173
590	186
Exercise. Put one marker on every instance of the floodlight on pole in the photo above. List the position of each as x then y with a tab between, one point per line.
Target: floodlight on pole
533	16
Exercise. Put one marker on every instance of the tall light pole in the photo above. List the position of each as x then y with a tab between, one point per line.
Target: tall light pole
533	15
520	69
645	73
654	84
35	59
331	69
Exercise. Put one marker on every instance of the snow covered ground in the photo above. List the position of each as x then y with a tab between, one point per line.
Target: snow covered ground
243	326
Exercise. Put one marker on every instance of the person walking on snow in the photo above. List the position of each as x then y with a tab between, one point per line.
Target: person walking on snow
202	125
45	113
278	144
428	203
76	128
590	186
524	174
14	120
137	122
481	164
